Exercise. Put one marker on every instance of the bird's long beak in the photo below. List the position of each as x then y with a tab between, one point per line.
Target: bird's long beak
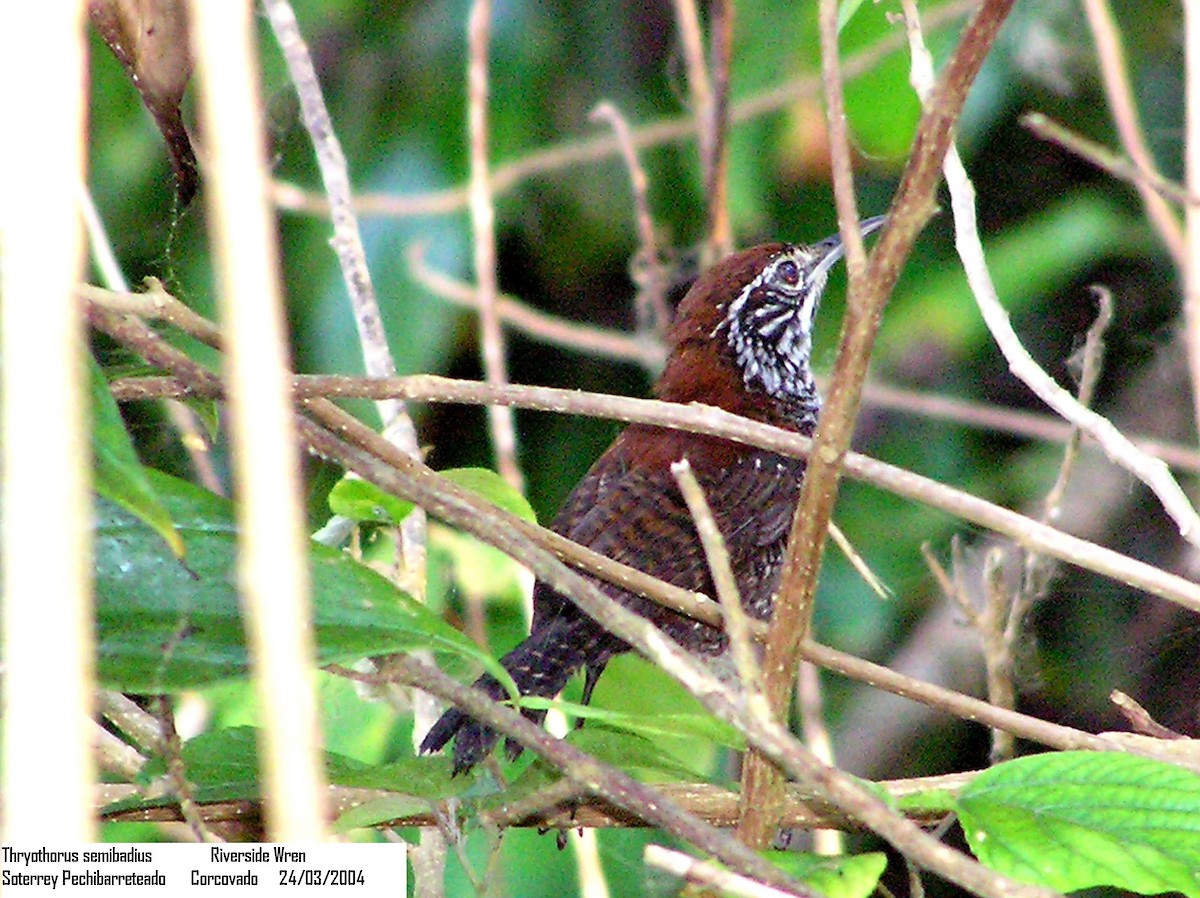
830	250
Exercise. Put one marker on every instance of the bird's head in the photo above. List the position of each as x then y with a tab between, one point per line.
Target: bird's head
751	316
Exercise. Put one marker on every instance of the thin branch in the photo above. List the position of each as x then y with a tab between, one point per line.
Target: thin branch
1120	167
653	313
571	154
702	873
867	295
737	625
1180	243
1023	530
352	259
273	573
641	349
1114	73
715	125
1190	270
48	643
563	804
1153	472
483	229
1139	718
810	708
609	782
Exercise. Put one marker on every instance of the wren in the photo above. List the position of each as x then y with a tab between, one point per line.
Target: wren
741	340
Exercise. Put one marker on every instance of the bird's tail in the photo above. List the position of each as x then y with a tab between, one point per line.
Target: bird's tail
540	666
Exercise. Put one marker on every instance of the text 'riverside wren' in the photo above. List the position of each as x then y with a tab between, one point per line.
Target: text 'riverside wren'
741	340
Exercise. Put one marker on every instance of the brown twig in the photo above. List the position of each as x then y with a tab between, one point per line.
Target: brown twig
483	229
1023	530
1139	718
867	296
653	313
1114	73
736	623
641	349
572	154
702	873
715	140
1120	167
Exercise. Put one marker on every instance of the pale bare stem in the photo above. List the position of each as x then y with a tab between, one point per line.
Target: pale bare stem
573	153
841	164
1120	167
703	873
1000	605
130	718
857	562
483	228
810	707
1114	72
691	39
352	259
715	552
272	559
113	755
182	418
716	126
347	238
1191	267
1151	471
1139	718
653	313
1022	530
1050	429
643	349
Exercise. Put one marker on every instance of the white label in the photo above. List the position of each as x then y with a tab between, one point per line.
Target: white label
362	870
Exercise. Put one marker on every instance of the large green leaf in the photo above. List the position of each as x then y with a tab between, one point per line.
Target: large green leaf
165	625
119	475
1073	820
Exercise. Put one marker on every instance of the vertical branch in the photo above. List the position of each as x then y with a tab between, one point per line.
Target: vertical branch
1191	236
46	487
272	561
716	127
841	164
762	782
910	210
483	224
1182	245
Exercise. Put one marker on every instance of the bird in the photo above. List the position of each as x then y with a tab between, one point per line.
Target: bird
741	340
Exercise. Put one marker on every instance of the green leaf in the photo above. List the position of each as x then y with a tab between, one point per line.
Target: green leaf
846	11
1074	820
362	501
379	810
494	488
691	726
120	476
844	876
165	625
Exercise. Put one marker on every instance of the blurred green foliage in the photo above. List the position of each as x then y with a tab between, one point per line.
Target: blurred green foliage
394	76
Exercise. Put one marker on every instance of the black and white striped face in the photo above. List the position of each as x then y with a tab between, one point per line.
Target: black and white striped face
768	326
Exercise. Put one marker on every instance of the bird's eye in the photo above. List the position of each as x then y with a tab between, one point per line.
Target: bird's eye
788	272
